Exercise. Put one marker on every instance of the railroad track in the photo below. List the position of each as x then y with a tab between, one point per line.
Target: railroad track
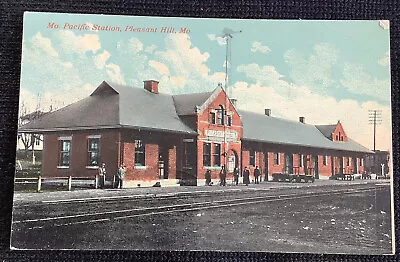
96	217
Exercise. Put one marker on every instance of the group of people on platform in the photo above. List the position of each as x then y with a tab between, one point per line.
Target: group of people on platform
119	178
236	175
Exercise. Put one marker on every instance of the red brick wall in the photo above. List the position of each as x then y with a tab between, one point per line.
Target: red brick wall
339	130
276	168
324	170
147	173
78	159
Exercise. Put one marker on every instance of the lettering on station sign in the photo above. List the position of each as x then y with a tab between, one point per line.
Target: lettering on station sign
221	136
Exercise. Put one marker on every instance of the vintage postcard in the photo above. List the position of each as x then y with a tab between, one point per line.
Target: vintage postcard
152	133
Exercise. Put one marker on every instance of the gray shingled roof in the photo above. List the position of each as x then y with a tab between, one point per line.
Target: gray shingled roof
259	127
91	112
185	104
116	106
326	130
113	106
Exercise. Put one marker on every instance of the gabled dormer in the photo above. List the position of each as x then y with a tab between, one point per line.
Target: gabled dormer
333	132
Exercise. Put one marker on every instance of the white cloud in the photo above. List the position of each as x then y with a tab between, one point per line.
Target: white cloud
67	64
314	71
69	42
385	60
186	61
151	48
42	43
178	82
317	109
220	40
160	67
101	59
114	72
134	46
357	81
266	75
259	47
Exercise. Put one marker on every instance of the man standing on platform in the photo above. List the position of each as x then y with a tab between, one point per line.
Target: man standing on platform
102	175
121	176
257	174
222	176
246	176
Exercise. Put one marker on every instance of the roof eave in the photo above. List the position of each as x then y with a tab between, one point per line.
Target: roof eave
302	145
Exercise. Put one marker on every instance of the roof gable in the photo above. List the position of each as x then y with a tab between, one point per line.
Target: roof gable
114	106
104	89
190	104
339	134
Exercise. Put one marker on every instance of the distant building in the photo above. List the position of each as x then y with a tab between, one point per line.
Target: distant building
175	139
376	162
25	141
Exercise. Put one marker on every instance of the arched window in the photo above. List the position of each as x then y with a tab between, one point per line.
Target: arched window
221	115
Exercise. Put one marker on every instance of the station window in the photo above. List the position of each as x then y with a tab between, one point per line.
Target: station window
276	159
37	141
217	154
93	151
325	160
337	138
140	153
207	154
348	161
212	118
252	157
221	115
64	158
361	161
229	121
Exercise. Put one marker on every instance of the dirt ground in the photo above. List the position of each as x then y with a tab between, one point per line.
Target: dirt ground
357	223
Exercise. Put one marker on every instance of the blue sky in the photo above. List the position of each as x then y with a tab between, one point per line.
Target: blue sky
323	70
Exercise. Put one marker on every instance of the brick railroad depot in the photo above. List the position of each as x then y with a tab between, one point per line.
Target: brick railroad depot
175	139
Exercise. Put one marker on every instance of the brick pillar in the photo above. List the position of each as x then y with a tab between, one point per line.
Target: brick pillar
129	158
152	162
172	163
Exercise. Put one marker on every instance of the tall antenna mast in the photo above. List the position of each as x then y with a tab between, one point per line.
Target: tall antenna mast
227	35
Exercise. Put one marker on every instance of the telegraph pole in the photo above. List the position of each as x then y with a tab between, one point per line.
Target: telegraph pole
374	118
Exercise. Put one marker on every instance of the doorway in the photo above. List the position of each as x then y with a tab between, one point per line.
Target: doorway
288	163
233	161
316	172
266	166
355	163
163	162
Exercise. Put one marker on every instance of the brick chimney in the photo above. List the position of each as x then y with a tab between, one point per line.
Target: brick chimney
268	112
302	119
151	86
